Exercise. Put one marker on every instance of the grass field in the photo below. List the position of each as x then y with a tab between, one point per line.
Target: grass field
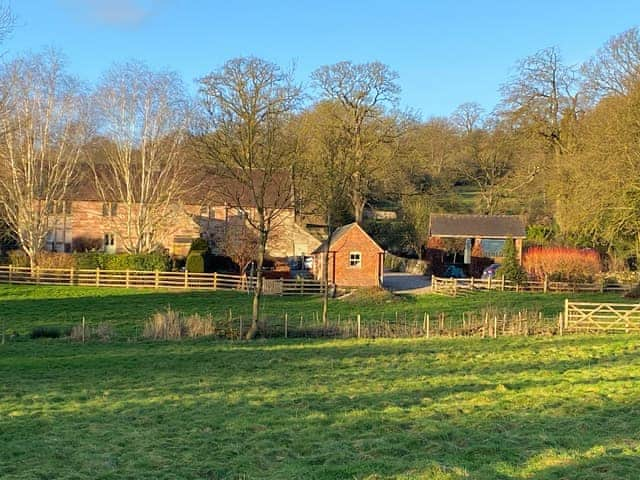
543	408
24	307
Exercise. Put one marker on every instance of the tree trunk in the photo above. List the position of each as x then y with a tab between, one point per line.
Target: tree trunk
257	292
325	275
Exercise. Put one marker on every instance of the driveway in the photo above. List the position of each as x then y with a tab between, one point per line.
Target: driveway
406	283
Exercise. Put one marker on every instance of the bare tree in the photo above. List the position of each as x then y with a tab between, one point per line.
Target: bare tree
364	92
468	116
143	116
44	128
615	68
329	169
7	21
540	97
246	104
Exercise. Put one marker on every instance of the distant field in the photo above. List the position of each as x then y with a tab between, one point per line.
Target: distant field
24	307
527	408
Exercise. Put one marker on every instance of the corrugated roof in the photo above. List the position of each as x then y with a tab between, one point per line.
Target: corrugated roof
488	226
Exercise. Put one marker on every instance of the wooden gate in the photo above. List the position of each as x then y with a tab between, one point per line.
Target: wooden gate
602	317
272	286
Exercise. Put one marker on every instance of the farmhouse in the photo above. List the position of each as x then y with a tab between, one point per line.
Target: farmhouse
472	242
87	220
355	259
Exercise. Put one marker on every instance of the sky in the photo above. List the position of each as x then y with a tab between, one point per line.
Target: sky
445	52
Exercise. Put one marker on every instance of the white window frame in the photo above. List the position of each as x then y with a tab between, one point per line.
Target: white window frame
357	257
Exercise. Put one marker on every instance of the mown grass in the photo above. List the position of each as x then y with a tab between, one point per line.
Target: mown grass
511	408
24	307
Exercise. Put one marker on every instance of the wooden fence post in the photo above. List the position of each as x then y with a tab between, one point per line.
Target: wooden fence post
495	326
455	287
156	279
428	326
286	325
97	276
560	324
186	278
37	275
126	278
10	274
71	276
433	283
502	284
489	283
545	283
358	319
472	283
215	280
566	312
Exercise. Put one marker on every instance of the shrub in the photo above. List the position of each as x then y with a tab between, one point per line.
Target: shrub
199	245
122	261
510	267
562	263
45	332
55	260
86	244
18	258
195	262
171	324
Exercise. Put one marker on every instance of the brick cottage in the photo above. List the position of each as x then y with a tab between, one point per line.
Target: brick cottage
355	259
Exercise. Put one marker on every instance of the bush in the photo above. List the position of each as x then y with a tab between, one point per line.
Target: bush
170	324
199	245
562	263
45	332
510	268
55	260
18	258
195	262
122	261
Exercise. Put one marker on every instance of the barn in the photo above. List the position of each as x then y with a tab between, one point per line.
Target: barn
355	259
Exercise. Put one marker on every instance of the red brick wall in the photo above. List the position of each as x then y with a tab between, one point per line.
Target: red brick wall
370	269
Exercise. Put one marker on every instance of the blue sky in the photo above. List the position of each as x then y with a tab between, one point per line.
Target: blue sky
446	52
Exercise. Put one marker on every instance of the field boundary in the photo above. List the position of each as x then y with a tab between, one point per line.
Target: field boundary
599	317
155	279
461	286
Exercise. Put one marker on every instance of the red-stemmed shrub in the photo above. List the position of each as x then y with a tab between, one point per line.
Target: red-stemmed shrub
562	263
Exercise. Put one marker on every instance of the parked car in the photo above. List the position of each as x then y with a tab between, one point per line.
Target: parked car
490	271
453	271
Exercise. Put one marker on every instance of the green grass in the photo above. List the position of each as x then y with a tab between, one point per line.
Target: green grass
25	307
527	408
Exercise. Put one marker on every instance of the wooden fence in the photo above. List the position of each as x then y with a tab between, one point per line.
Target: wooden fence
601	317
457	286
154	279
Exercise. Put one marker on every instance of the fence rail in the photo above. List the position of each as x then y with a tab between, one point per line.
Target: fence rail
456	286
597	317
155	279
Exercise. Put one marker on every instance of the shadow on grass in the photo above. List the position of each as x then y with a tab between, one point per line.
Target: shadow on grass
320	410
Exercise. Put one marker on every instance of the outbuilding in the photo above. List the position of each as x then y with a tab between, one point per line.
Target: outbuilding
472	242
355	259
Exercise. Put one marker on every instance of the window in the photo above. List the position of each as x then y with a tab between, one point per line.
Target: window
59	239
109	209
109	243
492	247
355	259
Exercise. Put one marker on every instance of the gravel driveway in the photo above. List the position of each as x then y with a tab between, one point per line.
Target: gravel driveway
406	283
